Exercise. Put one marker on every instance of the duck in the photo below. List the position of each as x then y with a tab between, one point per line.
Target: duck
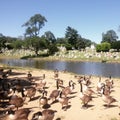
87	80
41	85
106	89
30	92
16	101
100	85
18	87
43	81
109	82
56	73
29	76
68	90
43	100
47	114
54	94
21	114
88	91
5	91
63	101
108	99
84	97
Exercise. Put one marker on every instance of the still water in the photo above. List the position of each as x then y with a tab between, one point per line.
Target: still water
85	68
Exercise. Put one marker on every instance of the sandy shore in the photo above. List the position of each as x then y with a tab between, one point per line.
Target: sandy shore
96	109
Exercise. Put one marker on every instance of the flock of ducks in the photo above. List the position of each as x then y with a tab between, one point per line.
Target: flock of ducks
15	92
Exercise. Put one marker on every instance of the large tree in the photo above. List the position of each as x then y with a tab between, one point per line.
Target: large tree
110	36
72	36
34	24
33	27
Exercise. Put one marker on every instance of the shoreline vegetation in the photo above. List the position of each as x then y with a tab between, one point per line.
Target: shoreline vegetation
72	55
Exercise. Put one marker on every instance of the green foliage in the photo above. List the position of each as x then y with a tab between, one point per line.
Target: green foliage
115	45
34	24
52	49
68	46
87	42
72	36
98	48
9	46
109	37
36	43
104	47
80	44
75	40
17	44
3	41
50	36
43	43
61	41
27	43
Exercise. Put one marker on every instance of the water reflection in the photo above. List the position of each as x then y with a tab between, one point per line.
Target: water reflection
85	68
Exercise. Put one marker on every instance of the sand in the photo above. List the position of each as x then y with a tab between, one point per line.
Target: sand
96	108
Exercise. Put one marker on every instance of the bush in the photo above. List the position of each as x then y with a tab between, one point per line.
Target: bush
68	46
52	49
115	45
98	48
104	47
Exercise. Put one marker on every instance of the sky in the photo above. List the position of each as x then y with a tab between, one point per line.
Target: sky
90	18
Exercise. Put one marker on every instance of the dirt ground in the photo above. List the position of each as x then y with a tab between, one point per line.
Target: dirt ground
96	108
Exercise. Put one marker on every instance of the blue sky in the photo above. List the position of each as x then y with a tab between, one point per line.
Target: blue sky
89	17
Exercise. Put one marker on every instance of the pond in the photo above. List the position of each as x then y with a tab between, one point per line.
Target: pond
85	68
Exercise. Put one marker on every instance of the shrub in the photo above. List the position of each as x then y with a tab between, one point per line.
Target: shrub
104	47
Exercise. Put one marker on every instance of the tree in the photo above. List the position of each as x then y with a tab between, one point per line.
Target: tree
80	43
50	36
72	36
87	42
52	49
109	37
116	45
17	44
3	42
36	43
34	24
61	41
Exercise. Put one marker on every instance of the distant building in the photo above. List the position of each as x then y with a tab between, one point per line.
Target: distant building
62	48
92	46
